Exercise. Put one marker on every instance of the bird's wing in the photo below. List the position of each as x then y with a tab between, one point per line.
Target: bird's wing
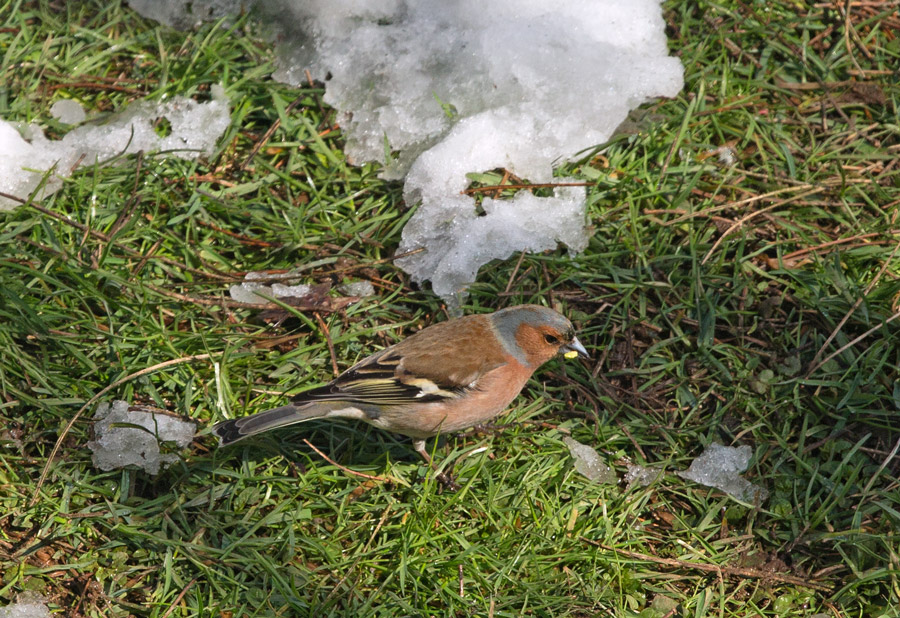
435	364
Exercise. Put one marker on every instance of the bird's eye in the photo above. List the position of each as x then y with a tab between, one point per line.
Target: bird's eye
551	339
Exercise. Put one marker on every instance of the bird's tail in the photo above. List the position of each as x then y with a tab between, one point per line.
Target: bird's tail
239	428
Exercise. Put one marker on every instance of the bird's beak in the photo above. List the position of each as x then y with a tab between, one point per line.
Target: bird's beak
573	349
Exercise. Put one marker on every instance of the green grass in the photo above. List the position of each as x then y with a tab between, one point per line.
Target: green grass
746	304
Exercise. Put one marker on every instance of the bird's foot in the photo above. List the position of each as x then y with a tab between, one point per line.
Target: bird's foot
484	429
447	481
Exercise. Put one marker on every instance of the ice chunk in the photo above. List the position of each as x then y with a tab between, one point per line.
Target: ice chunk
720	467
357	288
441	89
131	435
588	462
246	292
727	156
68	111
193	129
458	242
27	605
295	291
640	476
251	289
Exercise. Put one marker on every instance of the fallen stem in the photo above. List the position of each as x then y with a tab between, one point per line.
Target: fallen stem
714	568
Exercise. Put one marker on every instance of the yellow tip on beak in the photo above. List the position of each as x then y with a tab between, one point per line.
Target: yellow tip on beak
573	349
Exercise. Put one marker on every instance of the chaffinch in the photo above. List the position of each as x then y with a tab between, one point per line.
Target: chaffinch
450	376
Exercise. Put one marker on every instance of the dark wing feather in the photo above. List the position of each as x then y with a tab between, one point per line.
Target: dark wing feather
377	381
441	362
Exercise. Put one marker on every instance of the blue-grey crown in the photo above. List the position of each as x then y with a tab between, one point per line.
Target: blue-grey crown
507	322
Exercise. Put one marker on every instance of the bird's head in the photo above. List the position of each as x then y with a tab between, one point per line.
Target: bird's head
535	334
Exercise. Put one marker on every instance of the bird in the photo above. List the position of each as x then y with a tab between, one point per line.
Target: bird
447	377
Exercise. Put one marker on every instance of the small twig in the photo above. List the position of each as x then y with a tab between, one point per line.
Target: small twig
329	342
396	256
750	100
268	134
544	185
140	265
744	202
384	516
852	343
868	72
515	271
221	301
855	306
503	183
740	222
811	86
318	99
825	245
93	86
344	468
850	33
91	401
337	588
634	442
713	568
178	598
243	239
881	468
126	214
666	162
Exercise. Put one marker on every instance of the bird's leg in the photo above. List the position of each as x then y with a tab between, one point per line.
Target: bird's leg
486	428
444	479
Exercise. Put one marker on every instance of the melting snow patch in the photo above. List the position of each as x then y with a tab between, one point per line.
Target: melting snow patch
720	467
252	290
26	155
357	288
131	435
27	605
640	476
589	463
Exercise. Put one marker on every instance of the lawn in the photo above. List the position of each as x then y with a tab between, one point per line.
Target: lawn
741	286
